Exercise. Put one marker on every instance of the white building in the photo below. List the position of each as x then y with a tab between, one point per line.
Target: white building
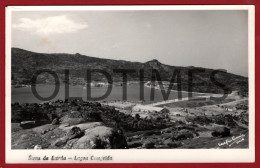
145	108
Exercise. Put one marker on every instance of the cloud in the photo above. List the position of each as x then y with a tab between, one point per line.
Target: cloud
50	25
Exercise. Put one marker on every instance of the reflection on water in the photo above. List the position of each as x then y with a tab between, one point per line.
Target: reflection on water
25	95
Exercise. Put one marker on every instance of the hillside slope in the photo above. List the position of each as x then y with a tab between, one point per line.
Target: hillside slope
26	63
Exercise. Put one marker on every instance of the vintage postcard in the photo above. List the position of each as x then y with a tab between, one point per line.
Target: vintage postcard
130	84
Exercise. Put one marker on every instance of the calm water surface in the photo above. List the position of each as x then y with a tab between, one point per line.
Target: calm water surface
25	95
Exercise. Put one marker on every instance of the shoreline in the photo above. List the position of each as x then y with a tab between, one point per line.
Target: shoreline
84	87
183	91
15	97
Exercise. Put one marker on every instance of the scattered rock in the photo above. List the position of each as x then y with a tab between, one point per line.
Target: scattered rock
55	121
88	125
37	147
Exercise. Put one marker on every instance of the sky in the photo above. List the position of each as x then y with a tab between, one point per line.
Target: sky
211	39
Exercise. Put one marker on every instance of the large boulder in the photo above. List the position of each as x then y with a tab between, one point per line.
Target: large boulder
67	120
100	137
221	132
74	132
44	128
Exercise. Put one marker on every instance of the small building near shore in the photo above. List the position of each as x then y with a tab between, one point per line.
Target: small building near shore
146	108
230	108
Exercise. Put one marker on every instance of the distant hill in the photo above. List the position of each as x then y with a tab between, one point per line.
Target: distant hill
25	63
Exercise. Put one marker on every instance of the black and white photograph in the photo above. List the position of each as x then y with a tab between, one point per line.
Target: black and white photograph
139	79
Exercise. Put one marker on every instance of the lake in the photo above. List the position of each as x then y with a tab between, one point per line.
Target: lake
25	95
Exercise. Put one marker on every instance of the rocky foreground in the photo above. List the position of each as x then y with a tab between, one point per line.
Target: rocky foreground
75	124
